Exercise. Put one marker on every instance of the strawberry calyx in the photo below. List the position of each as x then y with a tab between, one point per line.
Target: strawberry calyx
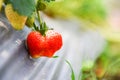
42	28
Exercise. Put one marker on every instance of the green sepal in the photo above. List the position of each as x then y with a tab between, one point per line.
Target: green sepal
55	56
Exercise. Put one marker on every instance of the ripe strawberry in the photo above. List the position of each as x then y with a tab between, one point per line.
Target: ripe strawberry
43	45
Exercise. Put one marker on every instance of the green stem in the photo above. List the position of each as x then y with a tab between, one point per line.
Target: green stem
39	19
38	14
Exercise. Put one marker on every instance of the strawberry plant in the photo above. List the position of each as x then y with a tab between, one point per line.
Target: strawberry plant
42	40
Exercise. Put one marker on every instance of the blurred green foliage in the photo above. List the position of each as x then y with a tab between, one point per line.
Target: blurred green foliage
92	11
106	66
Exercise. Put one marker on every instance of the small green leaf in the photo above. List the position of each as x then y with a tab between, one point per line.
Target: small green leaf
23	7
72	74
55	56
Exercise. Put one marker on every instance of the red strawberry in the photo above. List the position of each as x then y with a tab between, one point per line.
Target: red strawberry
43	45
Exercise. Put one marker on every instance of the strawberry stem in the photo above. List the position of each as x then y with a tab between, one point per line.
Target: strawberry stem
38	14
42	28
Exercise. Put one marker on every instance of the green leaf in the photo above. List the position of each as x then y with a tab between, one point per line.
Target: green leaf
23	7
72	74
55	56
